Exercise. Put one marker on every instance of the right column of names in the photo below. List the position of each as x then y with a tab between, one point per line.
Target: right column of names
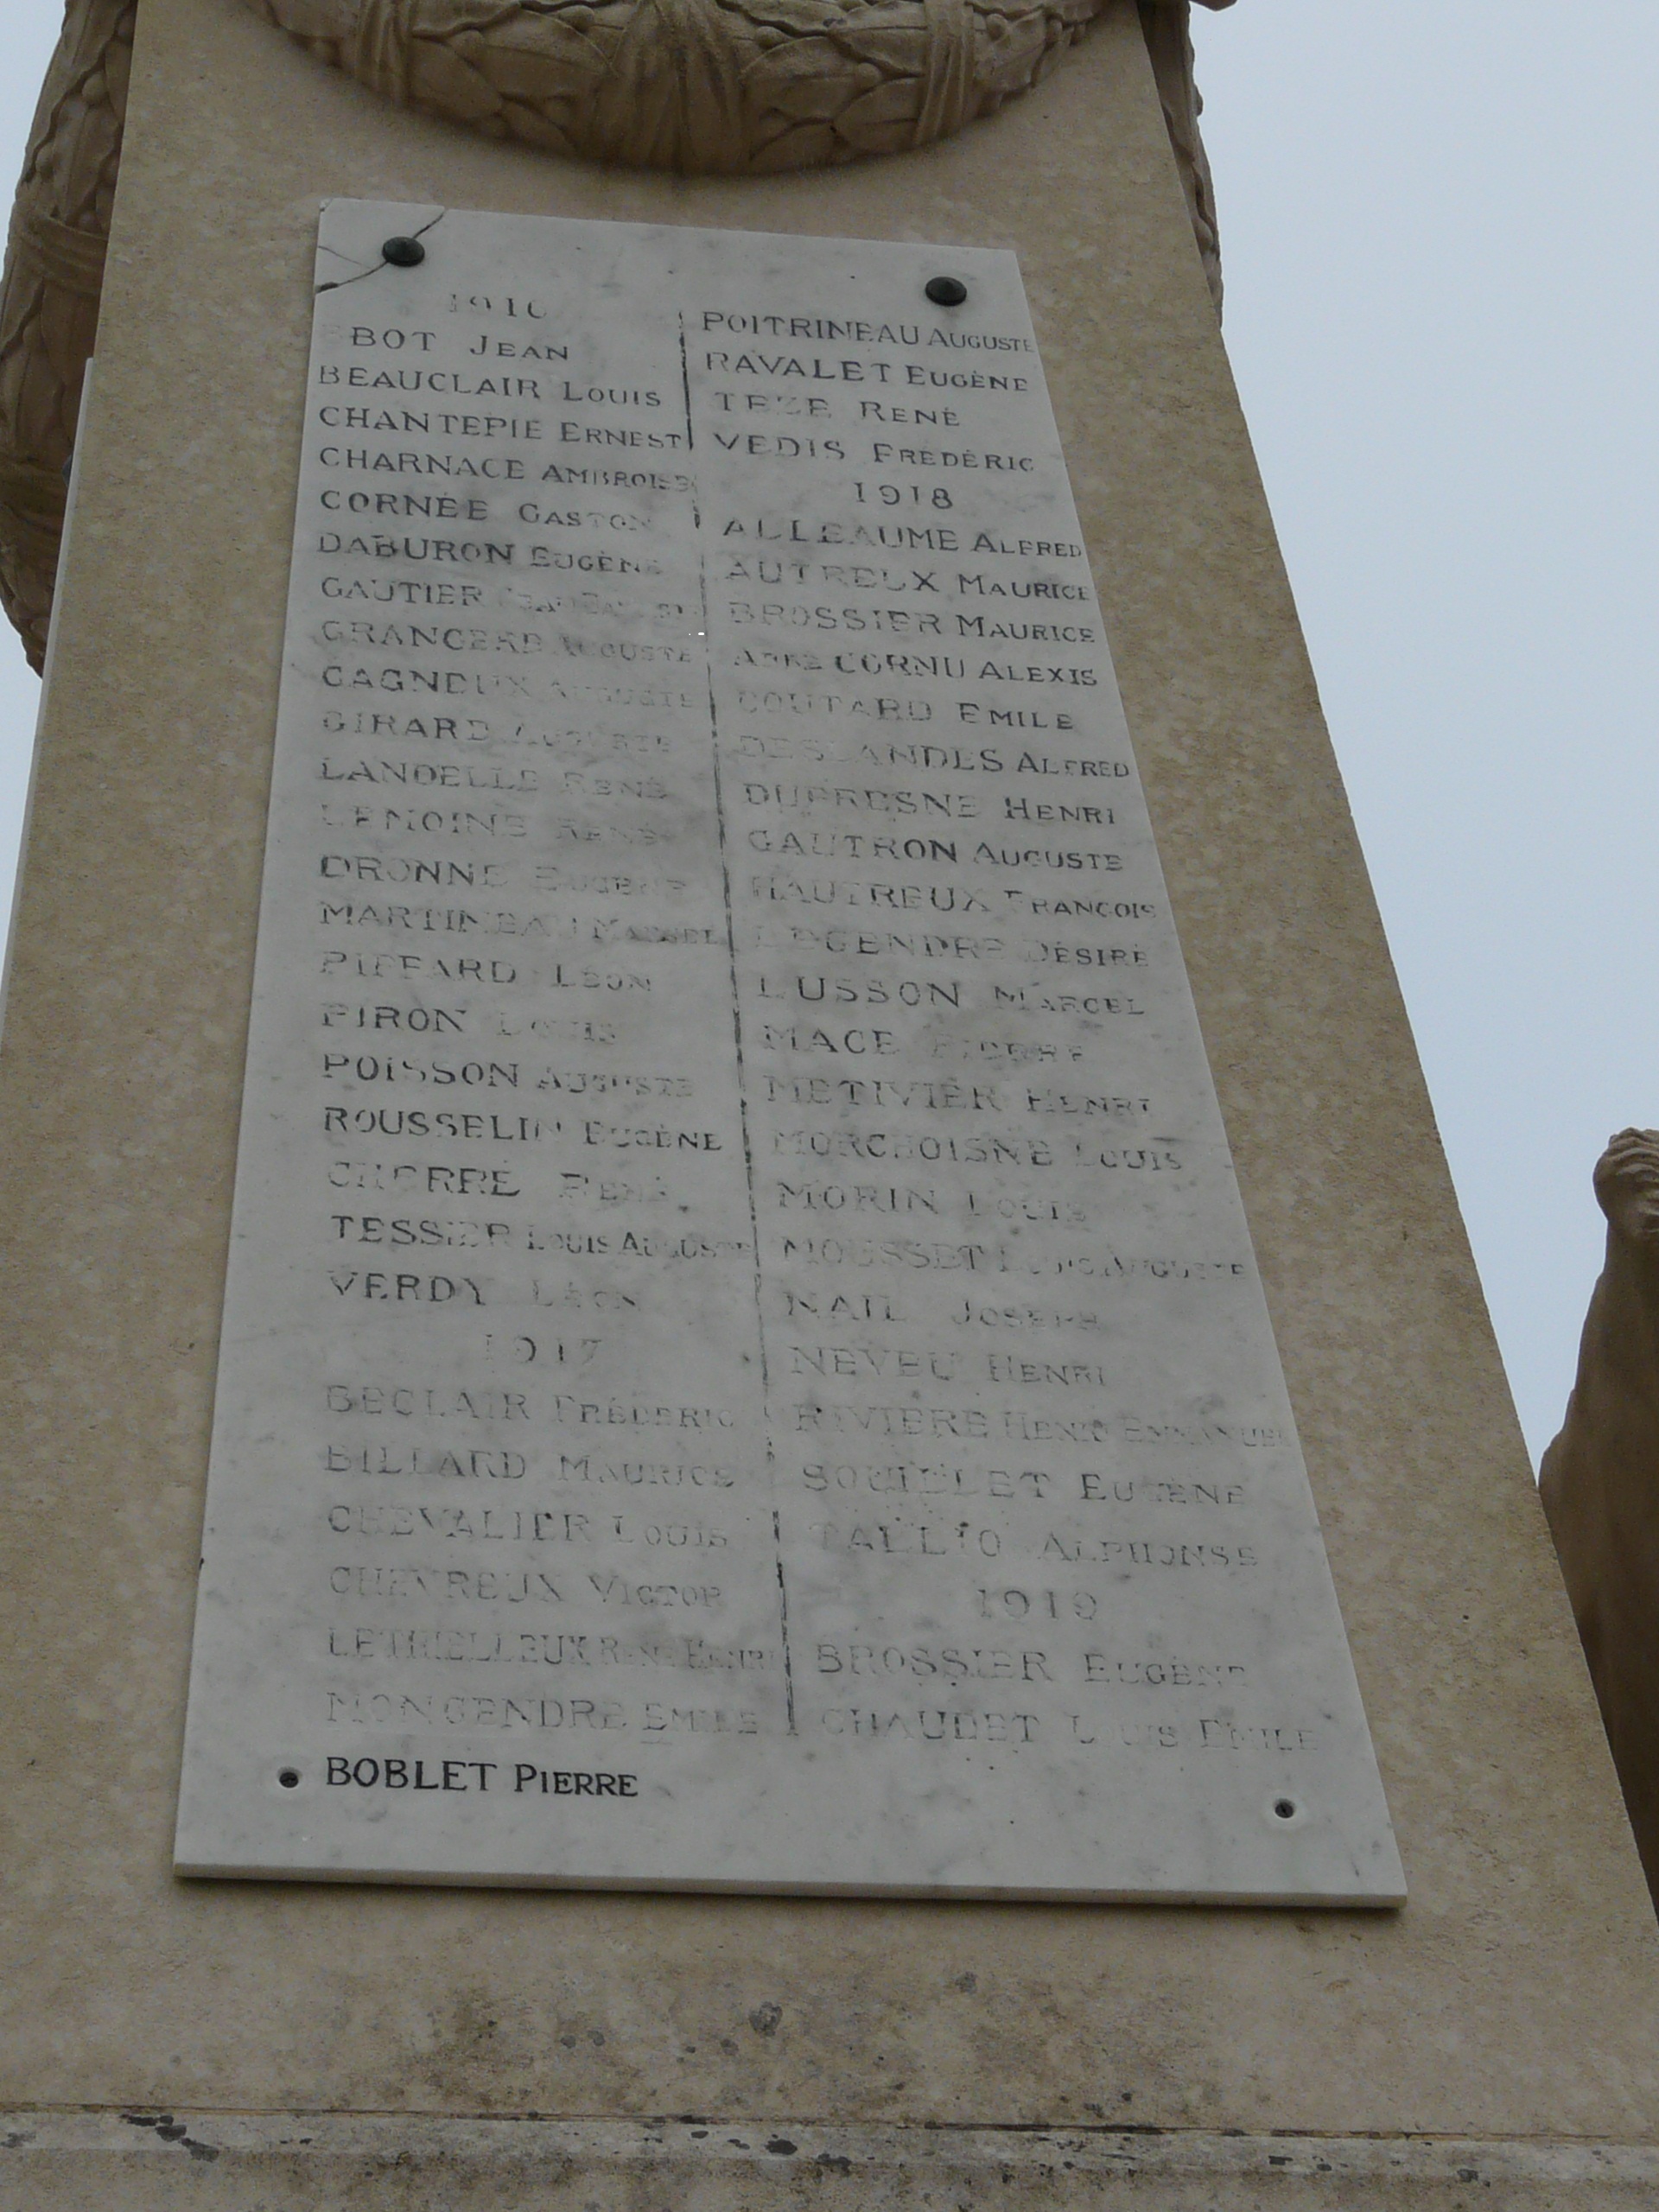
1015	1381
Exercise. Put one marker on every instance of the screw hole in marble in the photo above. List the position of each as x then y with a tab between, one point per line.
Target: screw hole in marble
289	1777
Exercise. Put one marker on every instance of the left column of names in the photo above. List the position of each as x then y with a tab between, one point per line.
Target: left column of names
499	1220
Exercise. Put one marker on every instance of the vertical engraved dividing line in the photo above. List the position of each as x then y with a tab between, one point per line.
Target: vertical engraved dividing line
783	1589
737	1034
696	524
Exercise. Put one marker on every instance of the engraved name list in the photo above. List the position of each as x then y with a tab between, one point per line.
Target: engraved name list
742	1363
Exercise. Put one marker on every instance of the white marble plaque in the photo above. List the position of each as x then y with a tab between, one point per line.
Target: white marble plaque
742	1363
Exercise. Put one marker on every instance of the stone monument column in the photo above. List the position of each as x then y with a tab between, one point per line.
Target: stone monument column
751	1451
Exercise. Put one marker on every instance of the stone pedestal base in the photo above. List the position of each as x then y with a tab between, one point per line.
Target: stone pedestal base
294	2162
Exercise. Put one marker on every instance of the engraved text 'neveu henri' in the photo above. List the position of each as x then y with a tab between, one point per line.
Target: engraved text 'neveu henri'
743	1364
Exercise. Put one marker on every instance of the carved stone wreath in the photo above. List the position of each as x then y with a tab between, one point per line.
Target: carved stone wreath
703	86
707	87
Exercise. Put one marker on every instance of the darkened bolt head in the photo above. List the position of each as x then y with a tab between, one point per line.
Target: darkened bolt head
403	253
945	291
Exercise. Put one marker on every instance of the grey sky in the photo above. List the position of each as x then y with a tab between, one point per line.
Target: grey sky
1436	223
1436	227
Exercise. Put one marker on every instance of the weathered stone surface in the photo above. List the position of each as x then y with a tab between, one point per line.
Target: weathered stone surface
160	2161
1517	1994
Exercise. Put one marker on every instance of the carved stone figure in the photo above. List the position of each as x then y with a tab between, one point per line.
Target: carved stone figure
1600	1481
48	304
751	87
